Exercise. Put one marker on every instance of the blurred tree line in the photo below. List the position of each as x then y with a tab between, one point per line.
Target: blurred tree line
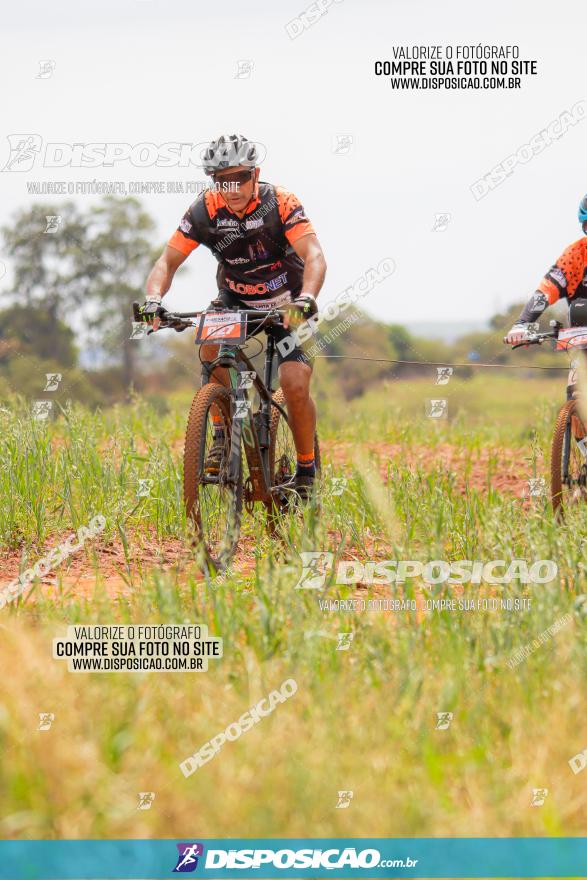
75	276
68	310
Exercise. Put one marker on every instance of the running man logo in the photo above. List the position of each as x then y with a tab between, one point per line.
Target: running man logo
52	381
41	409
316	565
338	485
536	486
46	719
443	375
241	409
187	861
343	144
344	800
139	329
437	409
144	488
146	799
244	68
441	222
23	151
53	223
46	68
344	641
443	720
246	379
539	795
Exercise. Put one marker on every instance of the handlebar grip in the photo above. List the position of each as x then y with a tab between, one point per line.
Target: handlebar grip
136	313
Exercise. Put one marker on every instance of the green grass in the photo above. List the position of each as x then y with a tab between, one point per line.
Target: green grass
362	719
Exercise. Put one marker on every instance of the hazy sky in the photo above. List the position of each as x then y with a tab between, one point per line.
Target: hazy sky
137	71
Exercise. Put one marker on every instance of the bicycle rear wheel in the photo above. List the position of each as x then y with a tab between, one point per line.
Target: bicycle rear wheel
282	462
212	501
568	461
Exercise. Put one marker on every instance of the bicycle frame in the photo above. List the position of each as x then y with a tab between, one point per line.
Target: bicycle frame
255	437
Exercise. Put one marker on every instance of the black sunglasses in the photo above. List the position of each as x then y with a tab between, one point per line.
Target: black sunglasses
239	177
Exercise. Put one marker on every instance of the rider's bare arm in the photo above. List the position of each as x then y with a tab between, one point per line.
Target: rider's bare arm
161	275
308	248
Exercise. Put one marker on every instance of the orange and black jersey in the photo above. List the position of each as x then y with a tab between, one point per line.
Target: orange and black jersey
256	259
568	277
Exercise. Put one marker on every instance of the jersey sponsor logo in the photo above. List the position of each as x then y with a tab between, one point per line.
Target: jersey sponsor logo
258	251
235	261
225	221
275	283
297	217
247	289
559	276
253	224
185	226
274	302
271	266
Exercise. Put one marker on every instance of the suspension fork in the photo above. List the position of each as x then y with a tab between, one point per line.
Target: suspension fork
227	359
237	396
265	405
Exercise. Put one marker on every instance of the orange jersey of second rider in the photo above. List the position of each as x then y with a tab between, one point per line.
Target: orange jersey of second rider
568	277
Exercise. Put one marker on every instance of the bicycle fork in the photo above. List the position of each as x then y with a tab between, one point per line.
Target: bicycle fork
255	441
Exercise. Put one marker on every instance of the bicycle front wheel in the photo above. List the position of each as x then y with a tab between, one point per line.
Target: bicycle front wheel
213	499
568	461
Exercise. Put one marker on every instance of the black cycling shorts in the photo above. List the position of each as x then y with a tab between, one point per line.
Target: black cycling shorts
295	353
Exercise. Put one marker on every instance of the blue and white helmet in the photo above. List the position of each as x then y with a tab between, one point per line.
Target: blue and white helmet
229	151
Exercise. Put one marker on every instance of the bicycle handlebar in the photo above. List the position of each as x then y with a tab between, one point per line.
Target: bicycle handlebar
534	339
181	320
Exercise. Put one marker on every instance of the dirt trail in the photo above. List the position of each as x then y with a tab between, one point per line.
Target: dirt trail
500	468
108	564
504	470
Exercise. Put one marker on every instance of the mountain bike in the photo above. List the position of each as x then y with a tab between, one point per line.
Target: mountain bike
568	459
226	417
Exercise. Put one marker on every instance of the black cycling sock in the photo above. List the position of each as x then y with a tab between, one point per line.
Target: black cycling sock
306	467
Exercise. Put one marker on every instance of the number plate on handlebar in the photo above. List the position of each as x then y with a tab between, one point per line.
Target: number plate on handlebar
222	327
573	337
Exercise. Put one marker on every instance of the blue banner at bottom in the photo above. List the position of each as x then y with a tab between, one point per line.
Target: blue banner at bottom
299	857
